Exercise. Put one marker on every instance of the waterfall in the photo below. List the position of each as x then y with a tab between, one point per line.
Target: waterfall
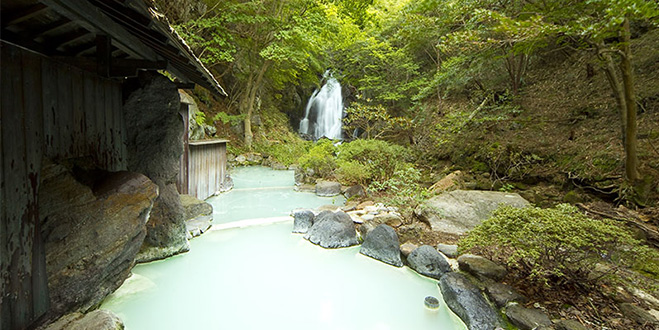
324	111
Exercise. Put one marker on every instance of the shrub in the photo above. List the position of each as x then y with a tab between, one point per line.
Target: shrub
320	158
556	245
353	172
403	188
380	157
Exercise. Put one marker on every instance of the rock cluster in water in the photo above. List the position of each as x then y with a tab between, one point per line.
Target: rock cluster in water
475	298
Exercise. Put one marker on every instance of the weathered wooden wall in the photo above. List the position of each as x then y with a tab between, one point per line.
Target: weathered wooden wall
206	167
183	175
48	110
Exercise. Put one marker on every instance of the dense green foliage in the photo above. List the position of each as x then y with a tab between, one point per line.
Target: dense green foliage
378	165
557	245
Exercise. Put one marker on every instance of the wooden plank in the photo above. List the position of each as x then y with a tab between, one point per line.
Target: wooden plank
223	163
118	140
78	118
109	123
5	88
64	113
50	107
124	131
89	119
32	91
99	142
18	248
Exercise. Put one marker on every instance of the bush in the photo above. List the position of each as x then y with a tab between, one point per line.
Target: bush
403	188
353	172
320	158
382	159
556	245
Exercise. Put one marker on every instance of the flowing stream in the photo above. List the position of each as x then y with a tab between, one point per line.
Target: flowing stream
324	111
251	272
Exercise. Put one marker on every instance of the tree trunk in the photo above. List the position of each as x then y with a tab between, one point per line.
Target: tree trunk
618	91
250	97
631	156
244	109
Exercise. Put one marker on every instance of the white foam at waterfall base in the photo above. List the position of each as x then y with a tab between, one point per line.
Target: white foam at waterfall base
324	111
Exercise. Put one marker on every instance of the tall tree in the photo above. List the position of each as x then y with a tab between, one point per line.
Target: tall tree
260	42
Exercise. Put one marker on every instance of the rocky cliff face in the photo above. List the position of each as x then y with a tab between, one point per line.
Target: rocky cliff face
155	144
93	225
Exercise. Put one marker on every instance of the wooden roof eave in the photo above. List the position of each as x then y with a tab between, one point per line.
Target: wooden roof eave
93	19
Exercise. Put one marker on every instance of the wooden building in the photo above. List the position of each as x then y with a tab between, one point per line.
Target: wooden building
203	169
64	64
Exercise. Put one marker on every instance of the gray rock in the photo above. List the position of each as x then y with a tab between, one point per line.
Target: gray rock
99	319
277	166
332	230
527	318
502	294
390	219
407	248
302	221
569	325
481	267
450	251
382	244
328	188
637	314
466	301
156	153
425	260
227	184
459	211
356	190
210	131
328	207
431	302
256	120
365	227
194	207
91	236
198	225
254	158
166	232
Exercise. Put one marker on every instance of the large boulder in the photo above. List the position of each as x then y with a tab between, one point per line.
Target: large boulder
154	144
99	319
481	267
332	230
355	191
328	188
502	294
425	260
466	301
197	214
450	182
92	232
382	244
194	207
302	221
459	211
527	318
448	250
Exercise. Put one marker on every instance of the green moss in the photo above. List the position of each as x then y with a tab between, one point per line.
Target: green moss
557	245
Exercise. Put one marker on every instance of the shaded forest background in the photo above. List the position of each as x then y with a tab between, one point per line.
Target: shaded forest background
531	96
